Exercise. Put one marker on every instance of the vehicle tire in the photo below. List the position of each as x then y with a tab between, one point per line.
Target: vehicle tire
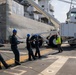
33	42
70	43
52	42
1	45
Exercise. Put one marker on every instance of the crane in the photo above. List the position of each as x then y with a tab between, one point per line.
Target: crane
55	22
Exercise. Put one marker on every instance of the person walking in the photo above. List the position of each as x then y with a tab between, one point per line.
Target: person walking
14	42
37	47
3	62
58	42
28	46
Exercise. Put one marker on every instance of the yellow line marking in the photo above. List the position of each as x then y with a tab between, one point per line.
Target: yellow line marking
23	58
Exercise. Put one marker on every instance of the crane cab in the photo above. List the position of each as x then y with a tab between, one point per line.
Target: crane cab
71	15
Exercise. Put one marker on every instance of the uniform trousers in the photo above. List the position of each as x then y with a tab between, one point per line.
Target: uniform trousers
3	62
17	54
37	52
30	54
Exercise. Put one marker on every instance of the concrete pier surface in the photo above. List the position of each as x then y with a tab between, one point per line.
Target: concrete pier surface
51	63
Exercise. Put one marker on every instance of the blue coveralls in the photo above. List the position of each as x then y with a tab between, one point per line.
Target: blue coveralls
37	48
14	48
30	52
3	62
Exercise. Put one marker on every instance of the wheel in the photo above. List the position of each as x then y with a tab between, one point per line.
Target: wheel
71	43
1	45
33	42
52	41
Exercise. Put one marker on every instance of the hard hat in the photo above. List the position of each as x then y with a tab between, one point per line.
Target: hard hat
14	31
28	35
36	35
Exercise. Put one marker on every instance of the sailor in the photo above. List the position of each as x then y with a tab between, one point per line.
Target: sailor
14	42
3	62
37	47
28	45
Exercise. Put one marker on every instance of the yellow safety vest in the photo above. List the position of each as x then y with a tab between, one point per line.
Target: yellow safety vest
58	40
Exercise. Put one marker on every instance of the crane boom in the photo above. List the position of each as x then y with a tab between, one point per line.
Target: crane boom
55	22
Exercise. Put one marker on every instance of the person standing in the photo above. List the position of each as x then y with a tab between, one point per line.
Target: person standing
3	62
58	42
37	47
14	42
28	46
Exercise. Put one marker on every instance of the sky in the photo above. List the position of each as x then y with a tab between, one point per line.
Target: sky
60	10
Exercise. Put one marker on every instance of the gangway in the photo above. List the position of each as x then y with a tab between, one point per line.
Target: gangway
55	22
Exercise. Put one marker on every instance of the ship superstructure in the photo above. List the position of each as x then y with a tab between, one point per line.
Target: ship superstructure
22	16
34	13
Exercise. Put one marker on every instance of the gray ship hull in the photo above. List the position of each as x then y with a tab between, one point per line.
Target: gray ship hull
22	24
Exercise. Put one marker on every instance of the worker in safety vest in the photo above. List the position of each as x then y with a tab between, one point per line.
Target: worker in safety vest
58	42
